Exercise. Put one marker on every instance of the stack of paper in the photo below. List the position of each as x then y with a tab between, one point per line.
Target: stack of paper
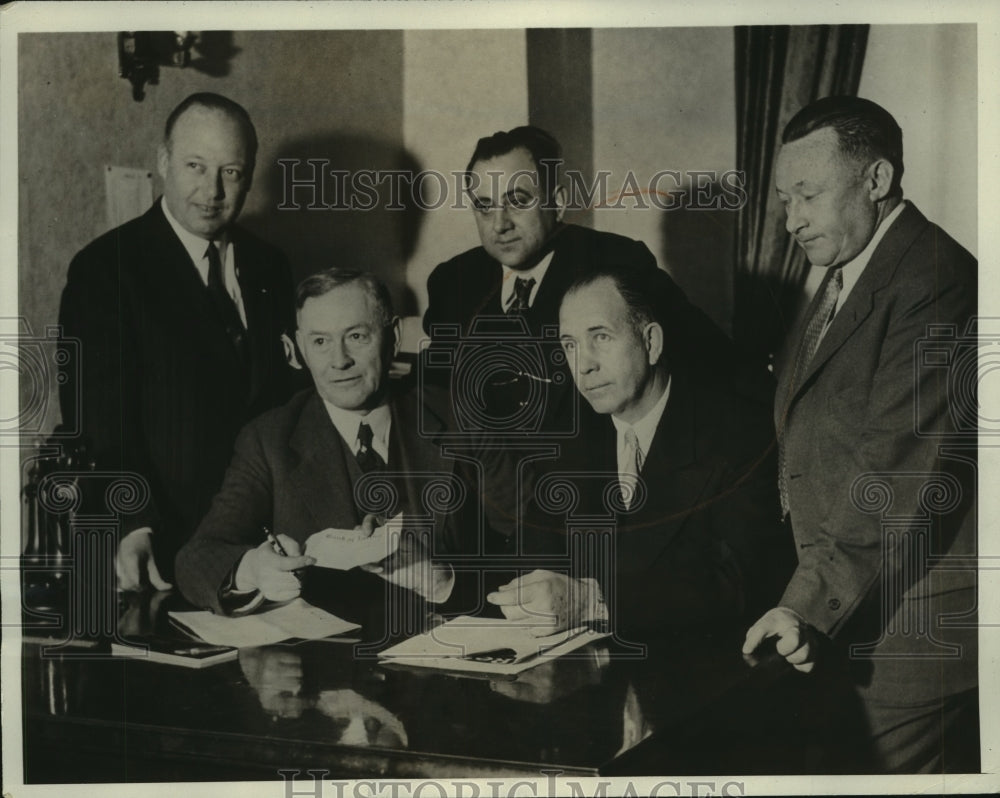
296	619
486	645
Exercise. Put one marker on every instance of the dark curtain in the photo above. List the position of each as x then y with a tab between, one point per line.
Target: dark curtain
779	69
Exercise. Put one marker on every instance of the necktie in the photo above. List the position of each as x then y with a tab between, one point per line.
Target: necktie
368	458
222	301
817	324
810	343
522	294
628	479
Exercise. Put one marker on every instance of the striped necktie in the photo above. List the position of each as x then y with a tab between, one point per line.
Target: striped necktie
810	343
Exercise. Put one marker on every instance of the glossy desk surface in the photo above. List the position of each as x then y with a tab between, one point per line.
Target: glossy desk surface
333	706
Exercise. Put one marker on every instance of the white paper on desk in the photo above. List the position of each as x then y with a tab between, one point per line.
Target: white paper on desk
297	618
465	636
344	549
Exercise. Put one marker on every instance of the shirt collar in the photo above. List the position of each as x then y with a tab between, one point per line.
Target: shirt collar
195	246
645	428
852	270
348	421
509	275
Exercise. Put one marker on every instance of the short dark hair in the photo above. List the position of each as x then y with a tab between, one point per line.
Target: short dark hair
320	283
637	286
865	130
545	151
215	102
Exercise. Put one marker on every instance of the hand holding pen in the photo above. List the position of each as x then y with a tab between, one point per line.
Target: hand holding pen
272	567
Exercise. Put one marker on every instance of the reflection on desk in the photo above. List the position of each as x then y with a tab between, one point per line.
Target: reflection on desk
332	706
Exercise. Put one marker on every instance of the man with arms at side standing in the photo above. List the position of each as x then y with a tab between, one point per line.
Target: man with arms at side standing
696	529
855	408
180	315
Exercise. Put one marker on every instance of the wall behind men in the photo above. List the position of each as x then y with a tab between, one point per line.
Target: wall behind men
665	100
328	94
662	98
925	75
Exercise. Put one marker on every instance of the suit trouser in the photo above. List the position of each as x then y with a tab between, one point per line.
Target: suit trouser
937	737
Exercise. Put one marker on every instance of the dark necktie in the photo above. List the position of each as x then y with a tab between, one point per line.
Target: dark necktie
223	302
810	343
522	295
368	458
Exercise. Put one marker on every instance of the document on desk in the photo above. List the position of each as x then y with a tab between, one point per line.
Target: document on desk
344	549
486	645
296	619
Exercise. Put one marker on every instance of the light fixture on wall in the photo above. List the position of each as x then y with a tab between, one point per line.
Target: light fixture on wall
142	53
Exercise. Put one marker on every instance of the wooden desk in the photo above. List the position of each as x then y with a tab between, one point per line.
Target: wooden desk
317	705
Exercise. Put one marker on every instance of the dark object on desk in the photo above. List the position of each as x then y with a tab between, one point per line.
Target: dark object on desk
186	653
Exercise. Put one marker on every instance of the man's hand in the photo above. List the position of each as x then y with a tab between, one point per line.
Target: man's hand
410	567
265	570
798	642
134	561
550	602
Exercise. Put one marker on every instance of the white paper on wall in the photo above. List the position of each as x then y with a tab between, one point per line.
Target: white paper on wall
129	193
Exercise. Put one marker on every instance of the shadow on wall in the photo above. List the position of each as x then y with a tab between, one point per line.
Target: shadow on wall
325	205
698	235
213	52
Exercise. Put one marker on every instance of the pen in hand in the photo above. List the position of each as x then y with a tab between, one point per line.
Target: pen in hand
279	549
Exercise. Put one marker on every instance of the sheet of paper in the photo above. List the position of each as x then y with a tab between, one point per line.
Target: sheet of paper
129	193
297	618
344	549
465	635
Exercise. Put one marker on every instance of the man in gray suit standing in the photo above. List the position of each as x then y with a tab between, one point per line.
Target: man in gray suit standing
876	472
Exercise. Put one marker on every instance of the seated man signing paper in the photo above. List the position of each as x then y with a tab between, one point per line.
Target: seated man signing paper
299	488
680	473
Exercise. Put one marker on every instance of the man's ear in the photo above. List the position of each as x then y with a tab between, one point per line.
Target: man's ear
880	176
162	160
397	334
652	337
560	199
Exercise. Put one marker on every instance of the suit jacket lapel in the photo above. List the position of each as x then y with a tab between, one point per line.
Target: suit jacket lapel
261	332
321	477
414	449
676	483
175	284
859	304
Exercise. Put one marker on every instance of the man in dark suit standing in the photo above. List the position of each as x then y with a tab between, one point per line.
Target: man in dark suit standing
877	478
684	471
180	316
300	468
528	259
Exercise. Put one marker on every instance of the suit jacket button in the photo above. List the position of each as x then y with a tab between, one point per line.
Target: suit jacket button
833	604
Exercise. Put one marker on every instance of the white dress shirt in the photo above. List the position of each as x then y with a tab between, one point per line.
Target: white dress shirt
852	270
197	246
645	429
348	421
510	275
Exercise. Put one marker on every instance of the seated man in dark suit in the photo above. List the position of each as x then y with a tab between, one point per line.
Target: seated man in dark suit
678	472
527	260
298	469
